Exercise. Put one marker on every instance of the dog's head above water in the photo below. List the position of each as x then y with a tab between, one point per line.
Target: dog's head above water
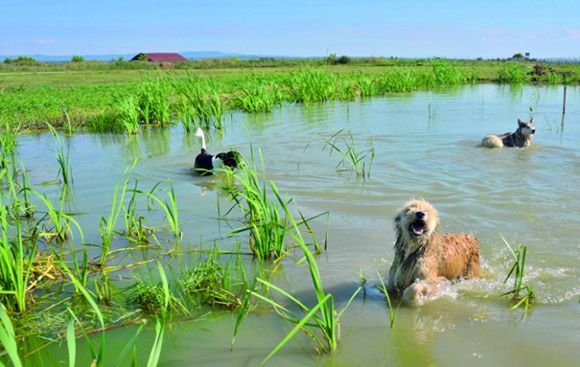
417	221
526	128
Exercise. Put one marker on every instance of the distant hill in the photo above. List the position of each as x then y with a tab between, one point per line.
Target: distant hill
193	55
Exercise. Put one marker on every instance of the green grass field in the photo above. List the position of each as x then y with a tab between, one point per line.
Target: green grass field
98	95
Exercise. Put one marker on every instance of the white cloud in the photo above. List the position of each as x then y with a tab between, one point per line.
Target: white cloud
573	33
44	41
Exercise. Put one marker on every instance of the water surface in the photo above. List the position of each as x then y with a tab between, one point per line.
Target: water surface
426	146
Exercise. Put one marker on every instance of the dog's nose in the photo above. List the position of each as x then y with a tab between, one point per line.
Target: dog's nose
420	215
533	131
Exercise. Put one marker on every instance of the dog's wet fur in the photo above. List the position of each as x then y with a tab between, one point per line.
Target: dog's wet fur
522	137
424	258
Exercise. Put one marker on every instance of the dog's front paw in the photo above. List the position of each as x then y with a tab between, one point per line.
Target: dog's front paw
416	293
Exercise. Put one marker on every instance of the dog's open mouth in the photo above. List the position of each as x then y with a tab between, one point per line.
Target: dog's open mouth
418	227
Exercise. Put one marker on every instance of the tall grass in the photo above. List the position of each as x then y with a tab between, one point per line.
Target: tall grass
7	145
521	293
213	284
200	103
257	95
267	220
8	337
153	102
16	261
311	85
320	322
352	159
513	73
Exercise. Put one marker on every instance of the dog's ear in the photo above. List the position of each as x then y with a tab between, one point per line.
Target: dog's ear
397	219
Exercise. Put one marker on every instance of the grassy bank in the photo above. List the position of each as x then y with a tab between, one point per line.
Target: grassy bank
122	96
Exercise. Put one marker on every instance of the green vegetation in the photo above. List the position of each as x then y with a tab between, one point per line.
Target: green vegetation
352	159
49	272
517	269
268	221
121	96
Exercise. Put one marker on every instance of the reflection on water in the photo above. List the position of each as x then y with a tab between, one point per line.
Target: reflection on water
426	146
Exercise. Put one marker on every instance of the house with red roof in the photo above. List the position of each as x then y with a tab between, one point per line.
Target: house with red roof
158	57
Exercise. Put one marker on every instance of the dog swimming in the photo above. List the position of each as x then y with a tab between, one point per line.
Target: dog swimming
522	137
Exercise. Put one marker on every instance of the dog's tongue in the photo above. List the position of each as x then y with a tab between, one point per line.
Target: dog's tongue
418	228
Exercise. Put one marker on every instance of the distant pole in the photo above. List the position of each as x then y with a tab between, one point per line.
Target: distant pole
564	102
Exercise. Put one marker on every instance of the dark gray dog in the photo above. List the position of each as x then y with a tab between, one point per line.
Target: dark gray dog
522	137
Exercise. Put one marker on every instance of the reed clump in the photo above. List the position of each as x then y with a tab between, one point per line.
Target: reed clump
352	158
522	294
267	219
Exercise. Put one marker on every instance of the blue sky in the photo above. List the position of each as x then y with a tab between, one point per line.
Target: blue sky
405	28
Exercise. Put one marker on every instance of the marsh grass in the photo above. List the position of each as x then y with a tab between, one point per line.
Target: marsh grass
153	102
62	157
200	103
267	220
322	321
513	73
169	207
392	312
352	159
7	146
156	297
521	293
8	337
211	283
126	115
257	95
59	227
311	85
16	261
135	230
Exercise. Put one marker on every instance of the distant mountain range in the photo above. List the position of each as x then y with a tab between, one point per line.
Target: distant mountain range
194	55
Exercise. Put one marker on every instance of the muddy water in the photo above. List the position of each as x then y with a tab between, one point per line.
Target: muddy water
426	146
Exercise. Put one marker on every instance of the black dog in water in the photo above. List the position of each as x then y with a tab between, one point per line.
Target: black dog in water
205	163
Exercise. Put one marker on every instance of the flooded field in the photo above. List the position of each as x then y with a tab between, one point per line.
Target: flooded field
425	145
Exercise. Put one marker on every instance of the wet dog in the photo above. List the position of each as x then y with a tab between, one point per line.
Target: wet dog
424	258
522	137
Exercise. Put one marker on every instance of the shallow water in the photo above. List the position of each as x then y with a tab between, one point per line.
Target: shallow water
426	146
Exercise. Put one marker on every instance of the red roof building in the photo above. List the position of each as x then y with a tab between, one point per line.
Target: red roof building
158	57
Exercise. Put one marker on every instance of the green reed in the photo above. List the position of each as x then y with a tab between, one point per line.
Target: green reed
62	157
8	338
7	145
153	102
320	322
170	208
392	312
59	226
16	261
518	269
107	226
200	103
127	115
214	284
352	159
311	85
513	73
257	95
135	230
397	80
265	219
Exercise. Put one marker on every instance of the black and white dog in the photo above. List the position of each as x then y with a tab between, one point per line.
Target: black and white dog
205	163
522	137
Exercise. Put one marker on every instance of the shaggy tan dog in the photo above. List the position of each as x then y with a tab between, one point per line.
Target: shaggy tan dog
424	258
